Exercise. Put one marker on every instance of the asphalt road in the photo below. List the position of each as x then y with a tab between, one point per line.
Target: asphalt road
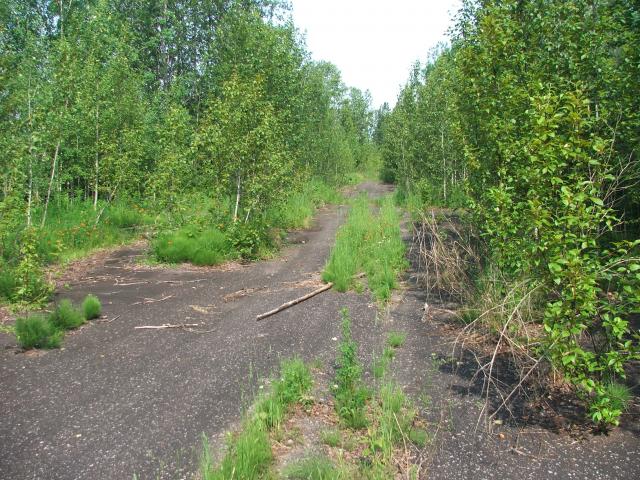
117	401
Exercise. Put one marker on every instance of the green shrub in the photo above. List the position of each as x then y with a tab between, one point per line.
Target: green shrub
91	307
209	247
37	331
8	283
66	316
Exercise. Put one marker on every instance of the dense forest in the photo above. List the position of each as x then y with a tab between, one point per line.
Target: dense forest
529	117
116	114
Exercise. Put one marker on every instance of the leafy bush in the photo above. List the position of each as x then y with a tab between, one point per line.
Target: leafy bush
37	332
66	316
91	307
8	282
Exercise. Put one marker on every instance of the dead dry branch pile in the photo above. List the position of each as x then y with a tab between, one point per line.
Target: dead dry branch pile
498	331
443	248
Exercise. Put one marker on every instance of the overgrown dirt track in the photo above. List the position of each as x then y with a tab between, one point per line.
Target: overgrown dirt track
117	401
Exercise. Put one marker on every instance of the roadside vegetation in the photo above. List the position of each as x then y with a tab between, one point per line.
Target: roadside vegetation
210	144
529	121
47	330
368	243
376	432
249	454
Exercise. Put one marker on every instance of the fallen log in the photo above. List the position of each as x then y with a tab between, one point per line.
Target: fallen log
167	325
284	306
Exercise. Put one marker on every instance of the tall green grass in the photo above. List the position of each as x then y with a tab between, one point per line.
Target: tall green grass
369	243
297	211
207	247
249	453
37	331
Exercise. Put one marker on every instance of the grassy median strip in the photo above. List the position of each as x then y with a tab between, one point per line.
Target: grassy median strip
371	244
249	454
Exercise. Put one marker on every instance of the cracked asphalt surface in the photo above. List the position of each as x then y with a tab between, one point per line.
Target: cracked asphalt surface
117	401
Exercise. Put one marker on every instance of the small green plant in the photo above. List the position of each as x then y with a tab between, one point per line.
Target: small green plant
248	455
91	307
66	316
314	468
333	437
37	331
350	393
396	339
249	451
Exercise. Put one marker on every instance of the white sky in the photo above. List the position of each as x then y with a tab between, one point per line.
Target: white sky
374	42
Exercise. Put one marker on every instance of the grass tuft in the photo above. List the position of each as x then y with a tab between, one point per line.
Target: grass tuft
396	339
249	453
91	307
66	316
350	393
368	243
37	331
314	468
208	247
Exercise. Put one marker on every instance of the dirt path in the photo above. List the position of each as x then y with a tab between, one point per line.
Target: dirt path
116	401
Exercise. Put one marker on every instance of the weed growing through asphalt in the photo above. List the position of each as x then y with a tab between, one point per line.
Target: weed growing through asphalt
380	365
248	453
396	339
37	331
66	316
370	244
91	307
350	393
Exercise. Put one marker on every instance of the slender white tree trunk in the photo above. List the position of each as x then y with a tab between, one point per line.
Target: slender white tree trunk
53	173
97	161
235	211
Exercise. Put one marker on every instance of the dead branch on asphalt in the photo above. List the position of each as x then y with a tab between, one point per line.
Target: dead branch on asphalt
152	300
167	326
284	306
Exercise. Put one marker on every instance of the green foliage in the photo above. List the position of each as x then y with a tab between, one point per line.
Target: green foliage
30	284
396	339
248	456
91	307
368	243
37	332
104	113
249	451
350	393
532	113
333	438
66	316
208	247
314	468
